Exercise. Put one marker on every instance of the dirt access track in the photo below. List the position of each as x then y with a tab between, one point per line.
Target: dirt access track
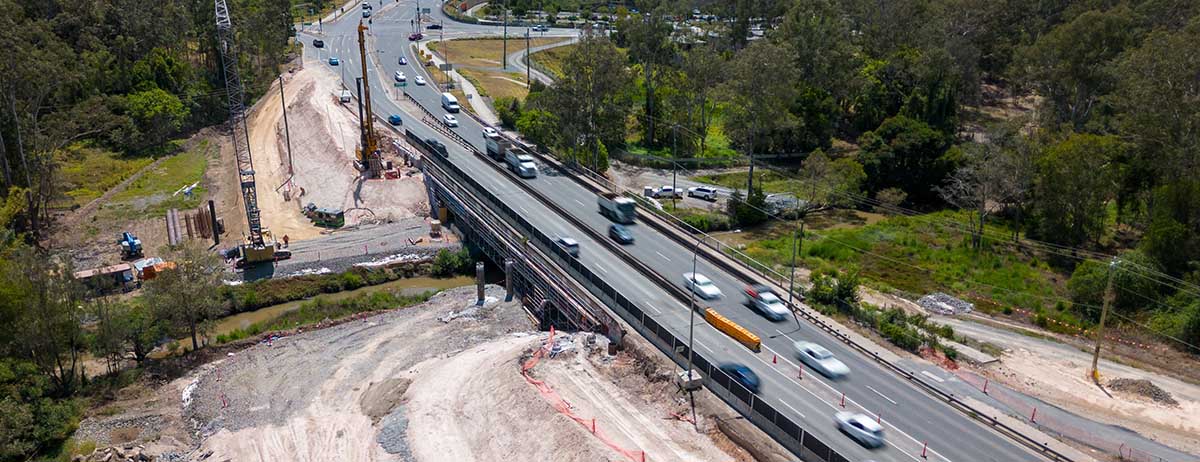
437	382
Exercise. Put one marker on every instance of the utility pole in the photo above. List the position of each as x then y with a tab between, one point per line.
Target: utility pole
674	165
1108	299
692	323
528	62
797	242
505	41
286	132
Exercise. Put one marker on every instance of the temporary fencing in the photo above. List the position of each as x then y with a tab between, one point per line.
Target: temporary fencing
563	408
1052	424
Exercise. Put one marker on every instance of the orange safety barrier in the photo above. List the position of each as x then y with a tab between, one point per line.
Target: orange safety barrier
563	408
732	329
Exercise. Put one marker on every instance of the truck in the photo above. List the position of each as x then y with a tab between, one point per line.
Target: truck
131	246
617	207
496	146
521	164
449	103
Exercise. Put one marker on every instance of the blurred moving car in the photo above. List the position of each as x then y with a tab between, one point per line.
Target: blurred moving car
742	375
860	428
701	285
820	359
764	300
620	233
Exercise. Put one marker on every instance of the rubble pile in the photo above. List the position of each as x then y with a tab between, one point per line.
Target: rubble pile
125	453
945	304
1143	387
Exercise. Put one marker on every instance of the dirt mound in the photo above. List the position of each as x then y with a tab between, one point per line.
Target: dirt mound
380	398
1144	388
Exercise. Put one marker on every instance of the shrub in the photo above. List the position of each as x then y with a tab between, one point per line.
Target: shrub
449	263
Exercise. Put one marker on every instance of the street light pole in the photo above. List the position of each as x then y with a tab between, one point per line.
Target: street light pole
797	240
674	165
504	60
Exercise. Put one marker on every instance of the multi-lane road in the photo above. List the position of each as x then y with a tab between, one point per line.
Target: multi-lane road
911	417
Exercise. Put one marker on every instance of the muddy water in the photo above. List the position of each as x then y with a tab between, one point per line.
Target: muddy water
407	286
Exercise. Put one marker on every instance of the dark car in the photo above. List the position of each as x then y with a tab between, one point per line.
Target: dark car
742	375
403	61
415	36
333	61
318	43
434	26
620	233
437	147
394	119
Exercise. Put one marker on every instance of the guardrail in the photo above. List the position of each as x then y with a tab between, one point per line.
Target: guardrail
752	274
764	415
433	122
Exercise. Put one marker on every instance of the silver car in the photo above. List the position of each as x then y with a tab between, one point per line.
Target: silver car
861	428
820	359
701	285
449	120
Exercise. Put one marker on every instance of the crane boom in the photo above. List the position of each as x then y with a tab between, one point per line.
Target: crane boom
237	121
369	147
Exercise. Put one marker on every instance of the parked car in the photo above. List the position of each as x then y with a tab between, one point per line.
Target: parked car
403	61
415	36
489	132
568	244
437	147
434	26
620	233
333	61
394	119
419	80
861	428
540	28
399	76
702	192
666	192
318	43
450	120
820	359
764	300
701	285
743	375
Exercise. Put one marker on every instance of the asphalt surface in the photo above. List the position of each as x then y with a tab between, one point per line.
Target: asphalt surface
910	417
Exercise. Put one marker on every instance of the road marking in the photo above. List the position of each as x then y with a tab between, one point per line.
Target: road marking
661	255
881	395
702	345
580	203
653	308
523	210
789	406
601	268
934	377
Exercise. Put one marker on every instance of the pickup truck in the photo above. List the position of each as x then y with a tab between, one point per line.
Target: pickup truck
666	192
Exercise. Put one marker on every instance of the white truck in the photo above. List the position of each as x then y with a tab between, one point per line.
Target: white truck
449	103
617	207
496	146
667	192
521	164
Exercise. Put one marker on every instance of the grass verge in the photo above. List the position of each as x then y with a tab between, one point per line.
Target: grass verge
154	192
88	172
321	309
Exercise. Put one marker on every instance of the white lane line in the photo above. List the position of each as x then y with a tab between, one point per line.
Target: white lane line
789	406
661	255
702	345
606	272
881	395
524	210
934	377
653	308
577	202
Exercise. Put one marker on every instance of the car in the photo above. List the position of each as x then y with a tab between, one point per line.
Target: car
764	300
861	428
568	244
820	359
419	80
403	61
333	61
415	36
366	5
540	28
399	76
318	43
366	13
434	26
742	375
489	132
394	119
701	285
437	147
702	192
620	233
450	120
666	192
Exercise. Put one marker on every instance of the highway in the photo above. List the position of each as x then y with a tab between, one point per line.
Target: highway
911	417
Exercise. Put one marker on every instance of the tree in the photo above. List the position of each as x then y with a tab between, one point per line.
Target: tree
821	43
701	71
1073	186
590	101
186	297
981	185
1069	65
907	154
649	39
158	113
758	92
1173	235
1132	292
45	303
747	211
828	183
538	125
142	329
108	336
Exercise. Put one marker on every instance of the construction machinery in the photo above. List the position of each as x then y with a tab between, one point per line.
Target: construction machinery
131	246
258	247
369	160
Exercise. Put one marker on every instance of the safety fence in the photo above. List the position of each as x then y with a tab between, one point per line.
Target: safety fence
1052	424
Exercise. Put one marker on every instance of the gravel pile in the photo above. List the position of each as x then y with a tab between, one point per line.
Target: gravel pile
392	431
100	429
945	304
1143	387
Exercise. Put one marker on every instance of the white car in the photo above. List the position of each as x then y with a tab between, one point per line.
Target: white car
450	120
861	428
489	132
820	359
666	192
399	76
701	285
702	192
568	244
419	80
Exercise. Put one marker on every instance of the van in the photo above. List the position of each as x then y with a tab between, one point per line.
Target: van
449	102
